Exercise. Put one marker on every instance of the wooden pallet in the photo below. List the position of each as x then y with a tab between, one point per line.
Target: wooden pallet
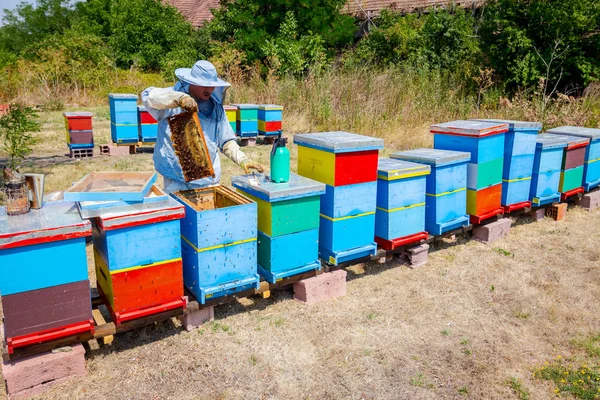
104	330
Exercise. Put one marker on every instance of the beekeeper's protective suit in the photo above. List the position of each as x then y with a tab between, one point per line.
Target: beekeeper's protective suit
199	88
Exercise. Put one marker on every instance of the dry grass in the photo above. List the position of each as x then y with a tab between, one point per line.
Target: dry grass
461	327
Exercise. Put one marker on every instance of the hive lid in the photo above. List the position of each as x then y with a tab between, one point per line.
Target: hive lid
107	186
122	96
390	169
141	108
246	106
469	128
230	108
338	142
298	186
53	222
512	125
433	157
550	141
572	141
591	133
92	209
82	114
168	210
270	107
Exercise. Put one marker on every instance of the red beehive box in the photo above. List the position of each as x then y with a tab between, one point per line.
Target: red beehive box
78	121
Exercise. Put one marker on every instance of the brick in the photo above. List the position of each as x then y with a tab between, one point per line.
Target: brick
590	201
558	211
417	256
493	231
249	142
112	150
195	319
321	288
37	373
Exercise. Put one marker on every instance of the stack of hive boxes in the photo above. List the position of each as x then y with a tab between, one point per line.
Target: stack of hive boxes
400	215
218	242
485	142
80	136
44	275
138	257
247	120
519	152
147	126
446	187
123	118
347	164
571	170
269	119
546	169
288	223
591	168
231	112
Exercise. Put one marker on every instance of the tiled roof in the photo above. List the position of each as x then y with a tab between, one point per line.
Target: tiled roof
195	11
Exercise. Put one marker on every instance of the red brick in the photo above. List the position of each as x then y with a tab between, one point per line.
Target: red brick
321	287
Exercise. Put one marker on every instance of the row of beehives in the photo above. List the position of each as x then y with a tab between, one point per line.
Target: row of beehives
343	202
131	123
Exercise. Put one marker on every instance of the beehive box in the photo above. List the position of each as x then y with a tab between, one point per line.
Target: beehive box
246	120
347	164
591	168
123	118
338	158
44	275
288	222
269	119
400	202
572	166
138	260
519	152
147	126
446	194
218	242
546	169
231	112
485	142
78	126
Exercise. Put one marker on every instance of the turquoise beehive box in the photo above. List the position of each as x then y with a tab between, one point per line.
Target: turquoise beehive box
400	215
123	118
218	244
288	215
591	168
446	187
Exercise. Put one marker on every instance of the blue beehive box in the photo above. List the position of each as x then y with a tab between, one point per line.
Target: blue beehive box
591	168
43	248
219	238
134	238
123	118
289	244
400	201
546	169
147	126
519	152
246	120
446	198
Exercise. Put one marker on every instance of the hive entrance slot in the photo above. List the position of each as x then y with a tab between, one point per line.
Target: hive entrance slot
211	198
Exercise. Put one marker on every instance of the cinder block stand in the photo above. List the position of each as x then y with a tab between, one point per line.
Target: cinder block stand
321	288
491	232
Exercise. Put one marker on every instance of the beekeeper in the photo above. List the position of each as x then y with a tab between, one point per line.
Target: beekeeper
198	89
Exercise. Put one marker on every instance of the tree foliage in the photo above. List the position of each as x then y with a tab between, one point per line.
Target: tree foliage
16	129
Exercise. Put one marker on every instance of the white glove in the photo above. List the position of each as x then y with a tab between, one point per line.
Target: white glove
162	99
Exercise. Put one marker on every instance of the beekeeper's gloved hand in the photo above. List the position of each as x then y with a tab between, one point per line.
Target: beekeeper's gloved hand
232	150
161	99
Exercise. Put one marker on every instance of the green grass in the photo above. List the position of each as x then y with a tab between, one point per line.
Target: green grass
517	386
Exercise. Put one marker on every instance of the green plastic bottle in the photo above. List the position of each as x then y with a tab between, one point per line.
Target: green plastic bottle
280	161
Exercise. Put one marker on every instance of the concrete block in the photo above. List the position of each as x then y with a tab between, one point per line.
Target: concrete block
34	375
493	231
321	288
417	256
590	201
112	150
538	214
249	142
195	319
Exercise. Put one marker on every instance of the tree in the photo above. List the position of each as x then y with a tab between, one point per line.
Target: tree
15	130
249	24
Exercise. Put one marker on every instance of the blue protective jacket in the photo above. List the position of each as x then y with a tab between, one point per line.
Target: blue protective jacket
217	132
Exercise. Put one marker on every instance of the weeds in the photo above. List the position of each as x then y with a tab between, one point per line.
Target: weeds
517	386
419	381
504	252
